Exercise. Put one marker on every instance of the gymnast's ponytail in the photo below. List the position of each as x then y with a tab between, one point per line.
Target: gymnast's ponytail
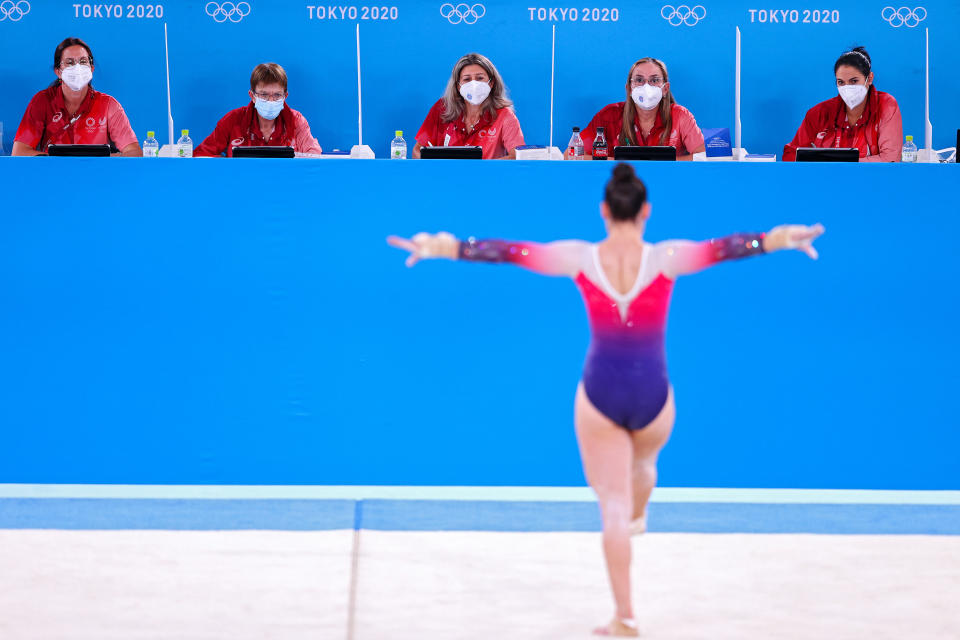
625	193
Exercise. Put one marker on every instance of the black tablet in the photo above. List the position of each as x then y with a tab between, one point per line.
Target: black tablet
79	150
263	152
811	154
630	152
451	153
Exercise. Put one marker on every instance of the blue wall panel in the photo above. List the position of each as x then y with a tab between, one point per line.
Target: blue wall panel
245	322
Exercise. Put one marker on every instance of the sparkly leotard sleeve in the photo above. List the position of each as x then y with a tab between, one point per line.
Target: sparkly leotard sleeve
561	258
625	371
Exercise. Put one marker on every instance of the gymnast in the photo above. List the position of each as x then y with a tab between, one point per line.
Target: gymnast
624	409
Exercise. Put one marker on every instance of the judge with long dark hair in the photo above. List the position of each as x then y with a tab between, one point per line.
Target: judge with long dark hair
70	111
860	115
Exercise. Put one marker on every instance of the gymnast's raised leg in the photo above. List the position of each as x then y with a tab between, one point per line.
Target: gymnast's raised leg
647	444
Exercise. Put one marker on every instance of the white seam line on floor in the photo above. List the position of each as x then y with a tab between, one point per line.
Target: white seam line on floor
354	572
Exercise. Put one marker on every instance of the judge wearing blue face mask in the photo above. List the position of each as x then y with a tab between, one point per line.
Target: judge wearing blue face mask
266	121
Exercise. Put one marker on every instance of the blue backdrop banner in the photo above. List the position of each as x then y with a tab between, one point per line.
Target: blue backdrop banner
173	323
409	48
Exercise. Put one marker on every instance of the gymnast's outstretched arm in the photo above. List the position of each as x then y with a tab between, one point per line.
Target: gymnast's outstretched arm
680	257
561	258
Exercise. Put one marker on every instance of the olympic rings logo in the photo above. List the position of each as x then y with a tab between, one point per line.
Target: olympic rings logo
904	16
683	14
464	13
13	10
228	11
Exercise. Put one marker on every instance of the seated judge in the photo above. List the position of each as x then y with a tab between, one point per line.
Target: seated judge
70	111
648	117
860	116
267	121
474	111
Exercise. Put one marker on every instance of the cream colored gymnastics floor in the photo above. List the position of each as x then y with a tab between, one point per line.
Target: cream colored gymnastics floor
380	584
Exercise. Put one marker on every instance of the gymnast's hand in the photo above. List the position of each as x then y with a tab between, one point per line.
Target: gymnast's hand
426	245
793	236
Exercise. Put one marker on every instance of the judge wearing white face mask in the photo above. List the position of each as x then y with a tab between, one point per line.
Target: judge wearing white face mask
474	111
860	116
69	111
266	121
648	117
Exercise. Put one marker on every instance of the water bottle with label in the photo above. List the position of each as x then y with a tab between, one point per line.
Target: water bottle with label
909	152
575	147
184	145
600	150
398	147
151	148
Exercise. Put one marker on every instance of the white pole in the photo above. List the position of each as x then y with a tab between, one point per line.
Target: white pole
166	47
359	94
928	128
360	150
553	58
736	103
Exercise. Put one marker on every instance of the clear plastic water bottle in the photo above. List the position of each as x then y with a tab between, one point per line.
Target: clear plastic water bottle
575	147
184	145
151	148
909	152
398	147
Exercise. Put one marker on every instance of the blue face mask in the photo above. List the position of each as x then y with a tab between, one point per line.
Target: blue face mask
268	109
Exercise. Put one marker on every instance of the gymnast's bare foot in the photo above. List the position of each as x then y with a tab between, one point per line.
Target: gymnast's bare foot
620	627
638	525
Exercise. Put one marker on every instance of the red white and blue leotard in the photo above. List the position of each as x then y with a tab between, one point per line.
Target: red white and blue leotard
625	372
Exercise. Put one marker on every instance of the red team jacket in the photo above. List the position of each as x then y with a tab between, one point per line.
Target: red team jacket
100	120
878	133
240	128
498	136
685	135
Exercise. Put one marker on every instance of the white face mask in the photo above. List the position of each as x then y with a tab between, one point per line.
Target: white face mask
475	91
77	77
647	97
853	94
268	109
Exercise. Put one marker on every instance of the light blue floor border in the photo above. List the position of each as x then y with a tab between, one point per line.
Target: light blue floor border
119	507
507	494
